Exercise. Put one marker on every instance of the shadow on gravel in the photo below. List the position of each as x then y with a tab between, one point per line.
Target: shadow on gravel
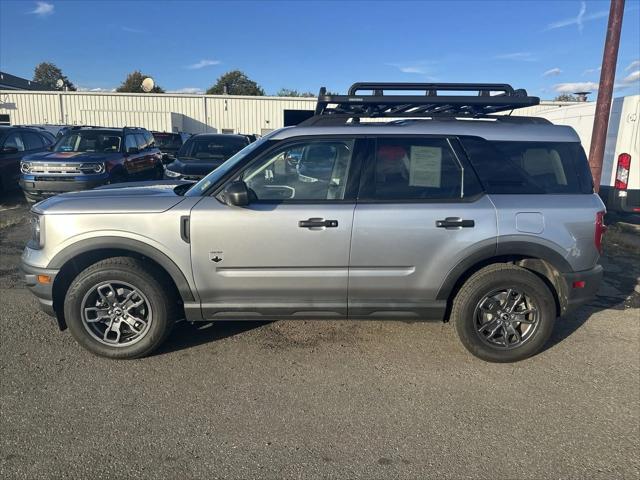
186	335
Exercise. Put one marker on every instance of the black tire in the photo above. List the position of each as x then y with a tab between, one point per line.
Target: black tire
506	278
162	306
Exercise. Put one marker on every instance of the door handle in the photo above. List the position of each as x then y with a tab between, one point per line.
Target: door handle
317	223
455	222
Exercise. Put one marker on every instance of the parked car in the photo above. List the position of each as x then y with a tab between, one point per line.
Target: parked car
202	154
169	144
490	222
15	143
86	157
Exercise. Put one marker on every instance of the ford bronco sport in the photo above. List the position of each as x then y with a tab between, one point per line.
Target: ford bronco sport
86	157
400	206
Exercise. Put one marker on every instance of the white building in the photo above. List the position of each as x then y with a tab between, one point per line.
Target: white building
162	112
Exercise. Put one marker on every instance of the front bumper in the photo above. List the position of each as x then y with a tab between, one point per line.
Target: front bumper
581	287
42	291
38	187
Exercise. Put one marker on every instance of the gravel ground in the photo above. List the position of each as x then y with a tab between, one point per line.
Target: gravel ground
320	399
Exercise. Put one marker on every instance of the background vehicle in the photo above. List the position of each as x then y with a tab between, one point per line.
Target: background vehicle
15	143
620	182
169	144
203	153
86	157
489	221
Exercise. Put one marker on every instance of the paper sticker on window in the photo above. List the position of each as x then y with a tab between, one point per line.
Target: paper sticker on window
426	166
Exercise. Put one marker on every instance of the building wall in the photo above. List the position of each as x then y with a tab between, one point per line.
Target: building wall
199	113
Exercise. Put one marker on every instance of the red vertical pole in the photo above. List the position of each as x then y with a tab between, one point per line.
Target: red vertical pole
605	91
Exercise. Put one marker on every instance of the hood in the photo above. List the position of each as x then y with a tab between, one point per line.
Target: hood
195	166
70	157
138	197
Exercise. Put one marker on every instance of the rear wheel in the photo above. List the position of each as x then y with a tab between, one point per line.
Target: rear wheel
118	308
504	313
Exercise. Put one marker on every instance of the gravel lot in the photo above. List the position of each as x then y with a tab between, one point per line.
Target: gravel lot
320	399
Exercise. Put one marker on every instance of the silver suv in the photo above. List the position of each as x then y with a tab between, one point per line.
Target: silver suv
381	206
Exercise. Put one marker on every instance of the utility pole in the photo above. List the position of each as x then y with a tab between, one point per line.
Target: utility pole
605	91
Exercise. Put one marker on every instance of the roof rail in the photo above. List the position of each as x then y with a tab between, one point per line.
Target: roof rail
489	98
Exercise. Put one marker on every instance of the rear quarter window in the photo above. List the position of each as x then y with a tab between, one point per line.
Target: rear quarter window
514	167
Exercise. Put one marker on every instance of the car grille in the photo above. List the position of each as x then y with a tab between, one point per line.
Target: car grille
55	168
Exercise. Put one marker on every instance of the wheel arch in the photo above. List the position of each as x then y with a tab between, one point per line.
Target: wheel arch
539	259
75	258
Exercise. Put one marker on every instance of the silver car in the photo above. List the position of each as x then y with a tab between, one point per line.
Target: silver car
448	212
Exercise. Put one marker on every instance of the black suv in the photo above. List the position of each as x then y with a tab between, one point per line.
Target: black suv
203	153
15	143
86	157
169	144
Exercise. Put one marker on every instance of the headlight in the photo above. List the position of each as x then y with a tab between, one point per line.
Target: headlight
92	167
172	174
37	240
25	167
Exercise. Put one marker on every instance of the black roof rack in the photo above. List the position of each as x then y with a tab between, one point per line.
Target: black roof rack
489	98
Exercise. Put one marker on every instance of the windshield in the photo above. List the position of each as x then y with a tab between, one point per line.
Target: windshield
213	177
167	141
212	148
89	141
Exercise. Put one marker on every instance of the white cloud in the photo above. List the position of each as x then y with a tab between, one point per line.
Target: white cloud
418	67
95	89
522	56
132	30
188	90
203	64
589	71
634	64
633	77
579	19
552	72
575	87
43	9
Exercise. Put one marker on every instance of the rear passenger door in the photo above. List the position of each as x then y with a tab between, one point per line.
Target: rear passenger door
420	212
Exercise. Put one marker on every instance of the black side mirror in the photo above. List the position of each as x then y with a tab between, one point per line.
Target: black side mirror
133	150
237	194
10	150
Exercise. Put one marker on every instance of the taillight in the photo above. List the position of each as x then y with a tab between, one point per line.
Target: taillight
600	229
622	172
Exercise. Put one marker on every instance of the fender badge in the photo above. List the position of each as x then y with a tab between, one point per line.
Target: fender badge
215	257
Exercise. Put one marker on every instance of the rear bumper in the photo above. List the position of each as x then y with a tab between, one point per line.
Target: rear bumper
577	295
36	188
623	201
42	291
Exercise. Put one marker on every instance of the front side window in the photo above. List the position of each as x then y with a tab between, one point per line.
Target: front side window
14	140
89	141
130	142
306	171
140	140
32	140
415	168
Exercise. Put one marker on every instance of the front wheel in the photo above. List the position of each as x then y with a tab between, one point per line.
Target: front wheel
504	313
117	308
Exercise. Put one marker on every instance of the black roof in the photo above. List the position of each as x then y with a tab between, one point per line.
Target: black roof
426	100
11	82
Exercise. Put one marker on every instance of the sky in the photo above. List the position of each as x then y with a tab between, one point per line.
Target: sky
546	46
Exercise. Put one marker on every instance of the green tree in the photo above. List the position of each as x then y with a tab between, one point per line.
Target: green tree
287	92
48	75
236	83
133	84
566	97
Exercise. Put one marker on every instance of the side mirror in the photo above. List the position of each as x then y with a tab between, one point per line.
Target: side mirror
237	194
133	150
10	150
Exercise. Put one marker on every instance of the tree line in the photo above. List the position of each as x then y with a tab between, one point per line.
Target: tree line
234	82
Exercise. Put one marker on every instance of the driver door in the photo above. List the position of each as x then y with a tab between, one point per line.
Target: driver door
287	252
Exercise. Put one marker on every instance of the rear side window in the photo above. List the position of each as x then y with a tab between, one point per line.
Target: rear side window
529	167
417	169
